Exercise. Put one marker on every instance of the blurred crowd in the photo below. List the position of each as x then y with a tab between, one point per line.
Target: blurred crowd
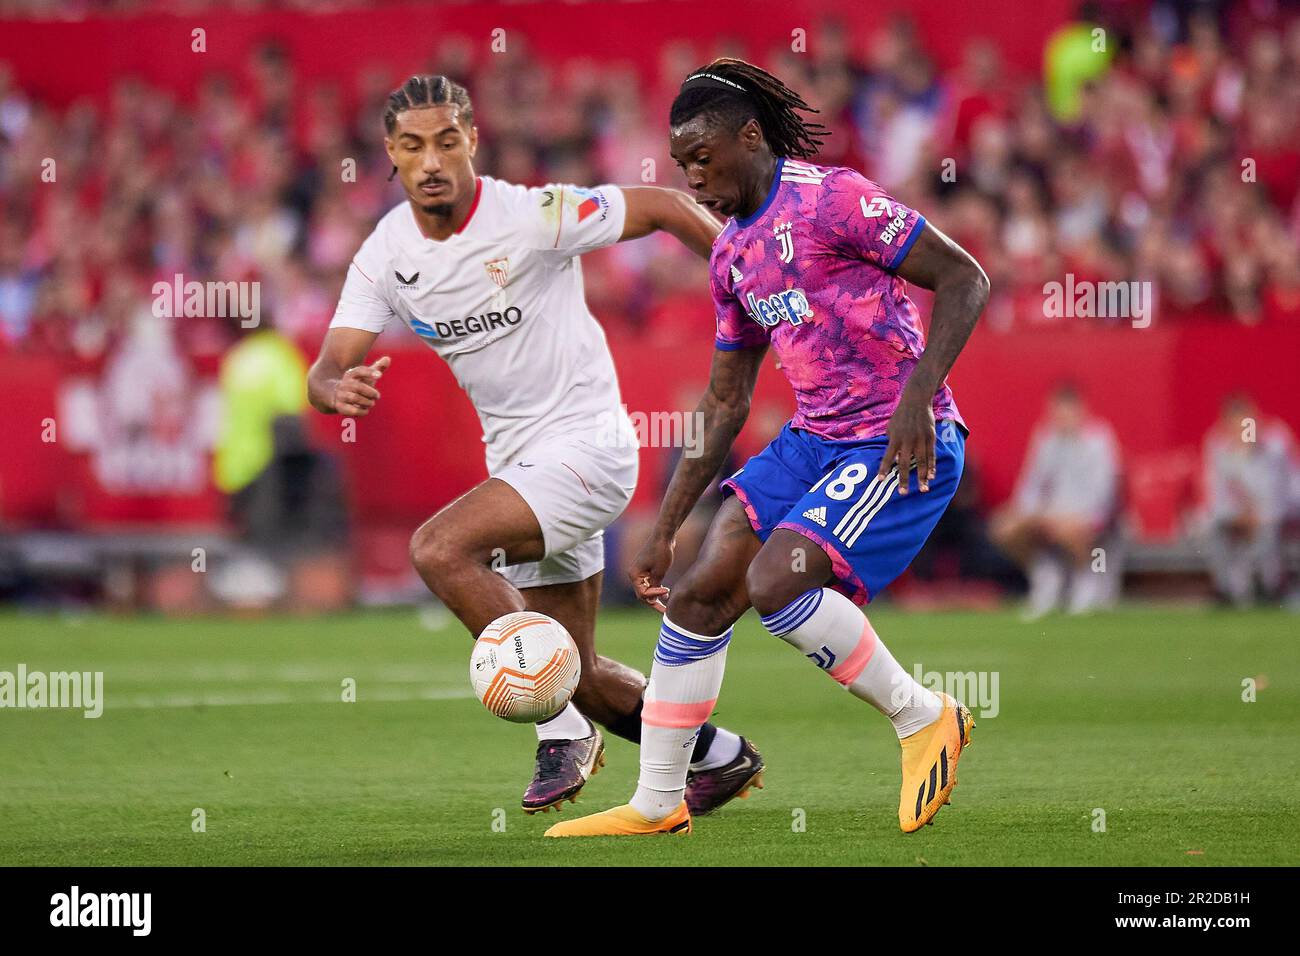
1160	143
1168	150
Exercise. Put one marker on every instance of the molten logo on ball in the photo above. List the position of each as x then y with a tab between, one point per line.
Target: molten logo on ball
535	678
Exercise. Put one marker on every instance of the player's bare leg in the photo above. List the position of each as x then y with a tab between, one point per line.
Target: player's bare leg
788	582
615	700
609	690
711	596
569	748
709	599
455	551
684	685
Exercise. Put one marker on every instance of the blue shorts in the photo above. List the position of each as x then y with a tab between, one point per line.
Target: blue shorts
828	492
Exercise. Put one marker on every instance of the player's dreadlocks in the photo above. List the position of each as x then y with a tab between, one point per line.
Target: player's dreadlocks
426	90
736	91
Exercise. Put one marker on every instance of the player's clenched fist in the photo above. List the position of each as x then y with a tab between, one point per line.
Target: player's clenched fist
355	393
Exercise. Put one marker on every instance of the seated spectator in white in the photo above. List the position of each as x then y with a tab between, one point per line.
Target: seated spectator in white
1250	468
1064	503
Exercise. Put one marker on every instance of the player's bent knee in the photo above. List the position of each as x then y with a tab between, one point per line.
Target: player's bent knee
434	553
771	589
420	548
703	610
773	582
439	550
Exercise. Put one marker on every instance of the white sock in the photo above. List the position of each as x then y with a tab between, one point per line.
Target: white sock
830	631
568	724
724	749
684	684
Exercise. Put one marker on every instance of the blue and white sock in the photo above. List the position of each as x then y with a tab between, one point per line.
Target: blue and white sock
684	684
830	631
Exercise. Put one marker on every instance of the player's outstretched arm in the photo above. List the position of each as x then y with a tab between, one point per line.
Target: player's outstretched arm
651	208
961	290
338	383
723	411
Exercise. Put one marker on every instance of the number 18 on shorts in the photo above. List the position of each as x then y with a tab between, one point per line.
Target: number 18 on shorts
830	492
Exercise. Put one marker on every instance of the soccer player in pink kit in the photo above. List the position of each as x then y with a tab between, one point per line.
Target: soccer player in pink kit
814	262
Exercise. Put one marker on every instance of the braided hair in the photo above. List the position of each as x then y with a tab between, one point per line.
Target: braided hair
427	90
422	91
734	92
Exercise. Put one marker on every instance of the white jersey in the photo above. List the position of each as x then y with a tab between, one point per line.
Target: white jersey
502	302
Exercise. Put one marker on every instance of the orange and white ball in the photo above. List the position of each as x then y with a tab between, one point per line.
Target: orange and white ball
524	667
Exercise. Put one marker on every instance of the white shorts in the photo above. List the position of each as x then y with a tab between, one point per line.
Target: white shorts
576	489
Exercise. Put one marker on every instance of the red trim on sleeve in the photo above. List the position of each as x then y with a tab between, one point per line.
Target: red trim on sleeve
363	273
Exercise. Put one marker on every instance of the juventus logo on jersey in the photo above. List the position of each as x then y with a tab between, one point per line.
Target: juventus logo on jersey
782	233
404	281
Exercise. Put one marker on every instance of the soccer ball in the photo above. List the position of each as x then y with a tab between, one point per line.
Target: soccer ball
524	667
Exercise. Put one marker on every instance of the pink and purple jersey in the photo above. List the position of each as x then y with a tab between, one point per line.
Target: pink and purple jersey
813	272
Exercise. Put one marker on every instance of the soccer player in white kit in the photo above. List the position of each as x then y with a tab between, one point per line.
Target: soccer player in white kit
487	274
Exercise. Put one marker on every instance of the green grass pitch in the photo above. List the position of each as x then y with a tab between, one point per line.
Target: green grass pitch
1138	714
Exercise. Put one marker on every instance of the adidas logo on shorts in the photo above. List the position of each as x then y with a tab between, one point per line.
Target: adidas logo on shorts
816	514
